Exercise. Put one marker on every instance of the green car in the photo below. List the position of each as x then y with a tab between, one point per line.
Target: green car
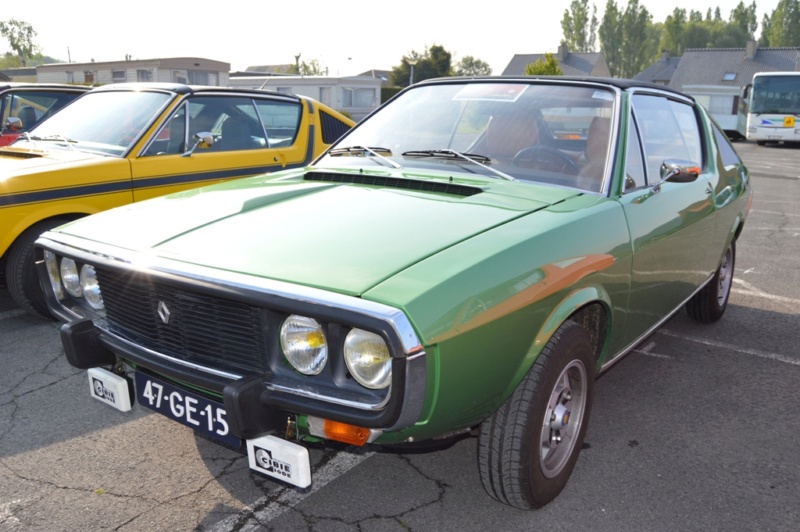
470	257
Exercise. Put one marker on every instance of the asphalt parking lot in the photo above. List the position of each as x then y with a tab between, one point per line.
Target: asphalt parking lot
696	430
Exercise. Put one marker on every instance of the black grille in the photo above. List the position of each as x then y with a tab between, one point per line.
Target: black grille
332	127
393	182
202	328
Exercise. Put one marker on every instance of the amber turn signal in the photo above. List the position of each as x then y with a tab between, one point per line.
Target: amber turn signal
345	433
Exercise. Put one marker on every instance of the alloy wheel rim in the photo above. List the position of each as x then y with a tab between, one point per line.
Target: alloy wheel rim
725	279
563	419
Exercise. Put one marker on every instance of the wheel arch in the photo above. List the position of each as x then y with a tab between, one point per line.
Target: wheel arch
590	307
27	224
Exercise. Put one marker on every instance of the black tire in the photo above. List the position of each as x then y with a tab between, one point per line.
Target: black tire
520	462
21	274
709	304
761	142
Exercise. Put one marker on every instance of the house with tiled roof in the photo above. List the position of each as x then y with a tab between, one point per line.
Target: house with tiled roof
716	77
661	71
572	64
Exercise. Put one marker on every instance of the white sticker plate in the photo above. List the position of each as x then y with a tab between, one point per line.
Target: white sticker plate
109	388
280	459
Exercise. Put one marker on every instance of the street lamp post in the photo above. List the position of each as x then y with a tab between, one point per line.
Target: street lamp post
412	62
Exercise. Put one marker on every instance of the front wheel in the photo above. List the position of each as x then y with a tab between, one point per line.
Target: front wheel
528	448
21	275
709	304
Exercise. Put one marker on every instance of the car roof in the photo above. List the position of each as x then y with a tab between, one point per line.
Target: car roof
12	85
181	88
620	83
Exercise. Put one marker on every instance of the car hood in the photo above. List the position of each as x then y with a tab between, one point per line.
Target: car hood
337	236
15	160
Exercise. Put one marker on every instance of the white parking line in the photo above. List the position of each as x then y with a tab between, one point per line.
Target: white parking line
289	497
647	350
728	347
750	290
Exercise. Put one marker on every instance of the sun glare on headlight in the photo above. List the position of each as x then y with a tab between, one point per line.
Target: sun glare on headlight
53	273
368	359
90	287
304	344
70	277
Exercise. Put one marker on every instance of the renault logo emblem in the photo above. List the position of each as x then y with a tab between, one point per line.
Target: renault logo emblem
163	312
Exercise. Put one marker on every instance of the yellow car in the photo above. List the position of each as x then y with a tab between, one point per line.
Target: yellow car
123	143
23	105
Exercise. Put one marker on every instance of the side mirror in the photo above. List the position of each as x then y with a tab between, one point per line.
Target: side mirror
202	139
14	124
677	171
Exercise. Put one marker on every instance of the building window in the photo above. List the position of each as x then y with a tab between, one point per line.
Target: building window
144	75
358	97
70	76
118	76
325	95
88	76
729	76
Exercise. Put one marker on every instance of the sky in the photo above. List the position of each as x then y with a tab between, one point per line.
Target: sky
346	38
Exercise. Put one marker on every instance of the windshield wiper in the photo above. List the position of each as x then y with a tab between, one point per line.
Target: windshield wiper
474	158
53	138
373	151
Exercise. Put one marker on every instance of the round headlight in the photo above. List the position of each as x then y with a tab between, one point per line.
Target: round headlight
304	344
52	272
367	357
90	287
70	277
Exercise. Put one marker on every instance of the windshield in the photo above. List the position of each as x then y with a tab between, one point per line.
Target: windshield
776	94
528	131
104	122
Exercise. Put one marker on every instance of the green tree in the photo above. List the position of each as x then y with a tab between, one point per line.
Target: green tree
470	66
580	29
611	38
638	43
672	32
763	40
745	18
696	35
547	66
20	35
434	63
784	24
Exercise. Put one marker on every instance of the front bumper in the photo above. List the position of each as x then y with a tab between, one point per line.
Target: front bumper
251	401
192	350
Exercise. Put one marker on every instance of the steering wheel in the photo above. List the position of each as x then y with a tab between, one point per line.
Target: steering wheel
545	158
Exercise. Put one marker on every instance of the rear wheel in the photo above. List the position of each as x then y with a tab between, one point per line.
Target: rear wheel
528	448
709	304
21	275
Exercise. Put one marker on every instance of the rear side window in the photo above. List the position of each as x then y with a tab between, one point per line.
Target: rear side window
332	127
669	130
726	151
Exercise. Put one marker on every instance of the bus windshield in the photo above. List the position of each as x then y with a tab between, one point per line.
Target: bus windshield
776	94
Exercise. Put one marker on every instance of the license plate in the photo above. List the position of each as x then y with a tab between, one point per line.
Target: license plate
203	415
